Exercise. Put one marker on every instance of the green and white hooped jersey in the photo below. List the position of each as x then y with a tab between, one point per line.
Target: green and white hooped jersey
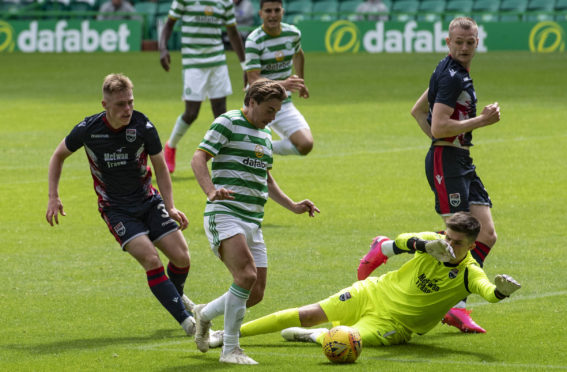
242	157
273	55
202	23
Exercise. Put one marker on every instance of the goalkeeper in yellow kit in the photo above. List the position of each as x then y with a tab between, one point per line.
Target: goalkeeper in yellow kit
387	310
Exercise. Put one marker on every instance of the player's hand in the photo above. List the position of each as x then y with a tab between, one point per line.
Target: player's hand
54	207
506	285
491	113
305	206
293	83
440	249
304	93
165	59
220	194
180	217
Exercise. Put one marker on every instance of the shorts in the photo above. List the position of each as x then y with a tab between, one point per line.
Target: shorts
219	227
452	177
354	307
288	121
208	82
148	218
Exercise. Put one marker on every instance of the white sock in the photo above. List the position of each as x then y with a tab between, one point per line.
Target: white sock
235	309
214	308
178	131
388	248
284	147
461	305
315	334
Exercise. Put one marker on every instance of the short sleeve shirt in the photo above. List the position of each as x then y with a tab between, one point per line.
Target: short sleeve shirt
452	85
118	158
242	157
202	23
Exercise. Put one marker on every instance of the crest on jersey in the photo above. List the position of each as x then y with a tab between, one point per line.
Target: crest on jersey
120	229
130	135
259	151
209	10
279	56
455	199
453	273
345	296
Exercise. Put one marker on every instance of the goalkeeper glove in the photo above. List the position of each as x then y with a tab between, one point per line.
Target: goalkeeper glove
505	285
440	249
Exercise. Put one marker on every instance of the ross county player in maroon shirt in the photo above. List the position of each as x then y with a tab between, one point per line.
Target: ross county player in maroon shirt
118	142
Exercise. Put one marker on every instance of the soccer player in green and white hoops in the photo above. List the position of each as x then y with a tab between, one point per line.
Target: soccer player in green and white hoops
389	309
240	186
205	73
272	50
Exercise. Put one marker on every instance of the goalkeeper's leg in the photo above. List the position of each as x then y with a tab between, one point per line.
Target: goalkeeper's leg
306	316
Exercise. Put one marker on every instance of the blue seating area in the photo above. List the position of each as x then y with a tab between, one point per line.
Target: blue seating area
151	12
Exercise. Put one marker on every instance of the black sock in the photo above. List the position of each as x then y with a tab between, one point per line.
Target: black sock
165	292
177	275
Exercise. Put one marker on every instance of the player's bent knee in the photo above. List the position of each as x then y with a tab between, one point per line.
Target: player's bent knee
304	148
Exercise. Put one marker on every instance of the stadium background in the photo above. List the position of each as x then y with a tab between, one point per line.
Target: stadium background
72	301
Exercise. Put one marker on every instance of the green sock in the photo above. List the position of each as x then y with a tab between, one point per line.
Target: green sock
271	323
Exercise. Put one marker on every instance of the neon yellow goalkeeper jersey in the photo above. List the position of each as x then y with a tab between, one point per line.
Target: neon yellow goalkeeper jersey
420	293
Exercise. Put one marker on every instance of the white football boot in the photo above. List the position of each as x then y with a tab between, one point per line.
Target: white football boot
201	329
216	339
302	334
189	326
236	356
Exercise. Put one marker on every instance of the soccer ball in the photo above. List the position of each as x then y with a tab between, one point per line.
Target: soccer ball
342	344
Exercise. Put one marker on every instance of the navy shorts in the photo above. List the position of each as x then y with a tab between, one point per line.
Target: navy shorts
452	177
148	218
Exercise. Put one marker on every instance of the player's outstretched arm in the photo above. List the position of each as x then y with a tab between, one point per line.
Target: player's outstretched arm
440	249
505	286
277	195
54	205
163	180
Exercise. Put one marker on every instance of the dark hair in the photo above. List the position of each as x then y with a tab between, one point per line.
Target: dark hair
464	222
264	90
269	1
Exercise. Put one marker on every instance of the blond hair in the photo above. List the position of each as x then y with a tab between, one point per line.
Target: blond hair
116	83
264	90
465	23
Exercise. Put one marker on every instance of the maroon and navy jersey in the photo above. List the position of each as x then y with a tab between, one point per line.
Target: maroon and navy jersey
118	157
452	85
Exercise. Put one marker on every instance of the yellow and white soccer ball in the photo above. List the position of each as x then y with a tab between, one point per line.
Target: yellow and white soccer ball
342	344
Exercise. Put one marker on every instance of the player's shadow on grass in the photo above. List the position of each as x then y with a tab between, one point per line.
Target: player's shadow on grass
57	347
409	352
417	352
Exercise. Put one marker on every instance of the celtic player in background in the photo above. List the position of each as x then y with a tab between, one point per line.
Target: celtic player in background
241	183
205	73
272	51
389	309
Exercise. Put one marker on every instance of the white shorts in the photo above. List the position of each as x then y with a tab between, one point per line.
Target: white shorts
288	121
209	82
219	227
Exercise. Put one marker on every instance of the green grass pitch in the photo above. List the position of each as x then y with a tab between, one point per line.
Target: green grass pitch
71	300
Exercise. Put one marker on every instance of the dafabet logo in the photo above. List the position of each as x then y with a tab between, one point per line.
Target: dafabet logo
6	37
547	37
